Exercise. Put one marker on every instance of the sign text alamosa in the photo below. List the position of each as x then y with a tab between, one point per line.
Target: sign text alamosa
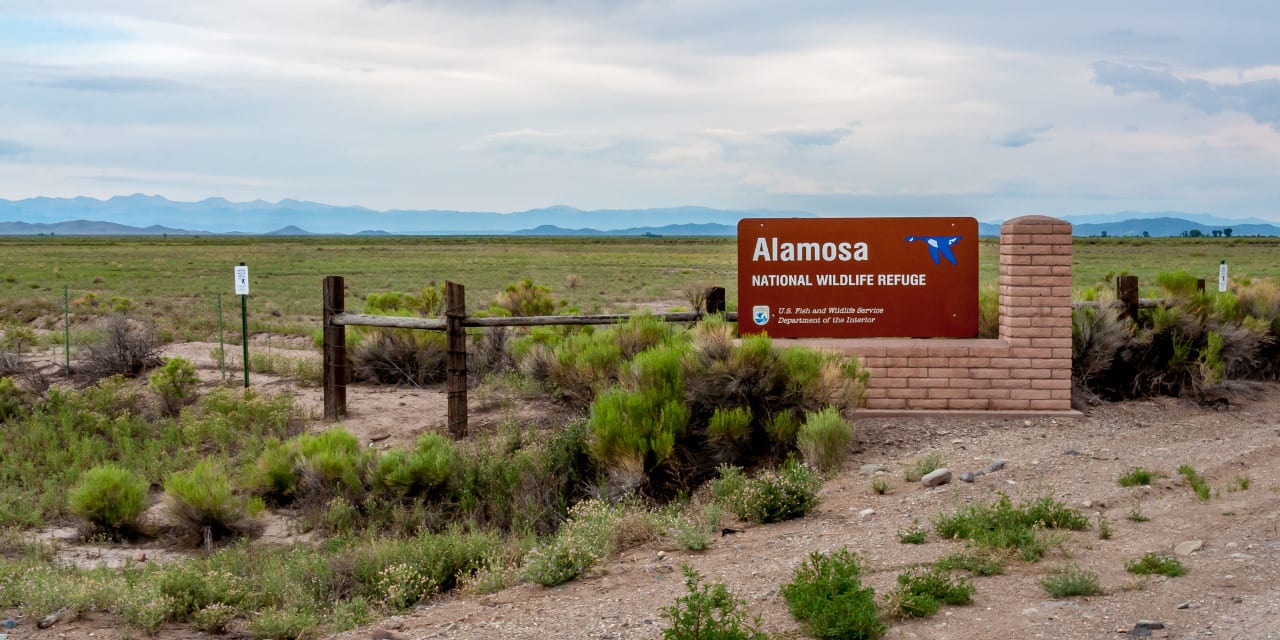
858	277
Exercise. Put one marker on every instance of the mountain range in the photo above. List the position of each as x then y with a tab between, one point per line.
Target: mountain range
156	215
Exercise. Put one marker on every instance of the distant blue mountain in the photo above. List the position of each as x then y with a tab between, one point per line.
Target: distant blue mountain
222	216
1167	227
154	215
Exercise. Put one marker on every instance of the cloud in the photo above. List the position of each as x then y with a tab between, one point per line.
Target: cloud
1259	99
9	147
812	137
1020	137
115	84
615	147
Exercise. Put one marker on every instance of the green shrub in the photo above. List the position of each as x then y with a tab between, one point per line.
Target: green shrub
1104	528
1000	525
1198	484
13	402
403	585
174	382
1153	563
732	425
709	612
110	498
274	474
202	508
692	527
1137	476
409	473
921	594
826	593
824	438
1070	582
697	397
770	496
194	586
278	623
637	430
332	463
214	618
581	542
403	572
782	428
525	299
1177	283
979	564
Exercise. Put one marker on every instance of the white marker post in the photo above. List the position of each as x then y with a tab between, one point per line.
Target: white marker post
1222	276
242	290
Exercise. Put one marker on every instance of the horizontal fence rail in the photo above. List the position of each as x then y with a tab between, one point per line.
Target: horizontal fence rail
1143	303
433	324
454	324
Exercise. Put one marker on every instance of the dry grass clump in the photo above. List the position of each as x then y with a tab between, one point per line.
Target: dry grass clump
390	356
127	348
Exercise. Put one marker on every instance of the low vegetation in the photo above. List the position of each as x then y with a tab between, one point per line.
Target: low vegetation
1137	476
769	496
1025	529
921	593
1156	563
827	595
1198	484
709	611
1071	581
110	500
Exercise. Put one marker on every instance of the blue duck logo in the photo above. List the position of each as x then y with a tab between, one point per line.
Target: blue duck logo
939	246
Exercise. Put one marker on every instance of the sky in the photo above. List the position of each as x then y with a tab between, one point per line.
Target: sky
835	107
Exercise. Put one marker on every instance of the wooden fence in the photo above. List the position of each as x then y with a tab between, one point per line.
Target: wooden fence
454	324
1127	297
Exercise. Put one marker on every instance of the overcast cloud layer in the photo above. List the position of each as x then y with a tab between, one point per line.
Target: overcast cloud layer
991	109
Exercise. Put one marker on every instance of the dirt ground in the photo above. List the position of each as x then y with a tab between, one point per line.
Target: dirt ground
1231	589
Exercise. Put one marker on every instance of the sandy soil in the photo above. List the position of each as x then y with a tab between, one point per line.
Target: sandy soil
1232	588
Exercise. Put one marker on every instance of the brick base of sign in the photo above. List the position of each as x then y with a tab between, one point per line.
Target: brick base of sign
1026	371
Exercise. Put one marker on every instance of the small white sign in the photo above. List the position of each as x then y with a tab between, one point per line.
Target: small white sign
242	280
1222	277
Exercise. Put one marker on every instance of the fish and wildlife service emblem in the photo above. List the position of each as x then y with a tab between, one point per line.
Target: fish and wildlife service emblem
760	314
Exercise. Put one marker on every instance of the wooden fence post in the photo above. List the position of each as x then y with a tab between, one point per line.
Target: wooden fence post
335	350
455	300
1199	285
1127	292
715	300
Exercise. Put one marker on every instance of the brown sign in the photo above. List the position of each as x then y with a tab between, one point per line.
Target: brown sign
858	277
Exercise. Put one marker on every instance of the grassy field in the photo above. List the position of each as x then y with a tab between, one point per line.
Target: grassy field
175	281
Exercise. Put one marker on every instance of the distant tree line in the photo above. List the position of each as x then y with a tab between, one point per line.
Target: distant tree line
1217	233
1187	233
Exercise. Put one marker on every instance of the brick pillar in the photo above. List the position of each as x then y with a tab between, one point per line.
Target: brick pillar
1035	313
